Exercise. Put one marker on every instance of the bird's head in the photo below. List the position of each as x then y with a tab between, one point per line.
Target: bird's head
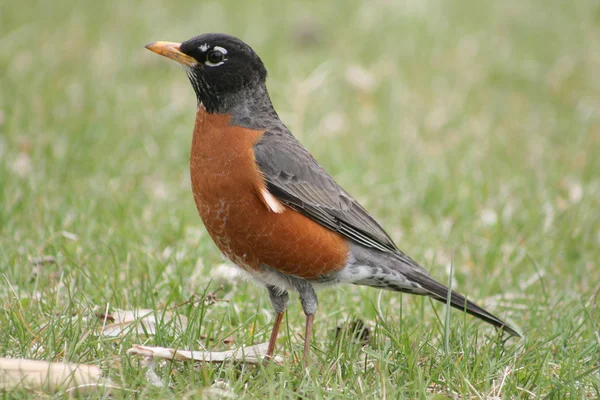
219	67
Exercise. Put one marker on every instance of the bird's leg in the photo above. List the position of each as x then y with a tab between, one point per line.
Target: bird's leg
279	299
309	301
308	338
274	334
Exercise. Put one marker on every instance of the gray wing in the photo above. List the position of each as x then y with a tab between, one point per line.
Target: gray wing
297	180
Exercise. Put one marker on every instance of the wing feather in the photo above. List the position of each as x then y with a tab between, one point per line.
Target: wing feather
296	179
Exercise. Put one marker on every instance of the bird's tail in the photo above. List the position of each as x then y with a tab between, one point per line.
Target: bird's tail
440	293
398	272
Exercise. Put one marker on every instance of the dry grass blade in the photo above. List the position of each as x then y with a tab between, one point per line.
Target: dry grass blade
49	376
252	354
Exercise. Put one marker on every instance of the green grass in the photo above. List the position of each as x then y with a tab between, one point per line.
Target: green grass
475	140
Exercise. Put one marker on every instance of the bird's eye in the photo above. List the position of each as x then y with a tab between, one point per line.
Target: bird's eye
214	56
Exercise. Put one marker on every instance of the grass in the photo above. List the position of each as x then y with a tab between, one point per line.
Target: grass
470	129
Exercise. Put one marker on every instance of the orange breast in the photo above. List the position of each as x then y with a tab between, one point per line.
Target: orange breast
226	183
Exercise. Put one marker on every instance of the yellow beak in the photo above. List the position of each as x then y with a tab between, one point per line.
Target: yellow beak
171	50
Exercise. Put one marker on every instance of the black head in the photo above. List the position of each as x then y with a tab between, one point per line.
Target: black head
219	66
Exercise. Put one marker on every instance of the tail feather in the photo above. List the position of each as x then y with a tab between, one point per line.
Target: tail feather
400	273
440	293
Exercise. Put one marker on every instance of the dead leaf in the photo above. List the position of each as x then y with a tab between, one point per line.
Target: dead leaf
142	321
229	340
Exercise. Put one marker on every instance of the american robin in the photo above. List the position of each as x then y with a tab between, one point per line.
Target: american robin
267	203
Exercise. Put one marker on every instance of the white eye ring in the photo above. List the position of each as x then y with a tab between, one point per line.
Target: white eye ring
221	49
218	58
209	64
223	59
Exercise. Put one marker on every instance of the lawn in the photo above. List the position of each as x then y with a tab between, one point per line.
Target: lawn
470	129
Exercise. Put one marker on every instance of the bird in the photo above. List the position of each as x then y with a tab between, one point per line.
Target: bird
270	207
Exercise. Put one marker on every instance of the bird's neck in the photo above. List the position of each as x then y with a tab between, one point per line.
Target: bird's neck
250	107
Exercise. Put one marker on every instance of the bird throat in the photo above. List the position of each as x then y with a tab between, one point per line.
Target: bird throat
250	107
